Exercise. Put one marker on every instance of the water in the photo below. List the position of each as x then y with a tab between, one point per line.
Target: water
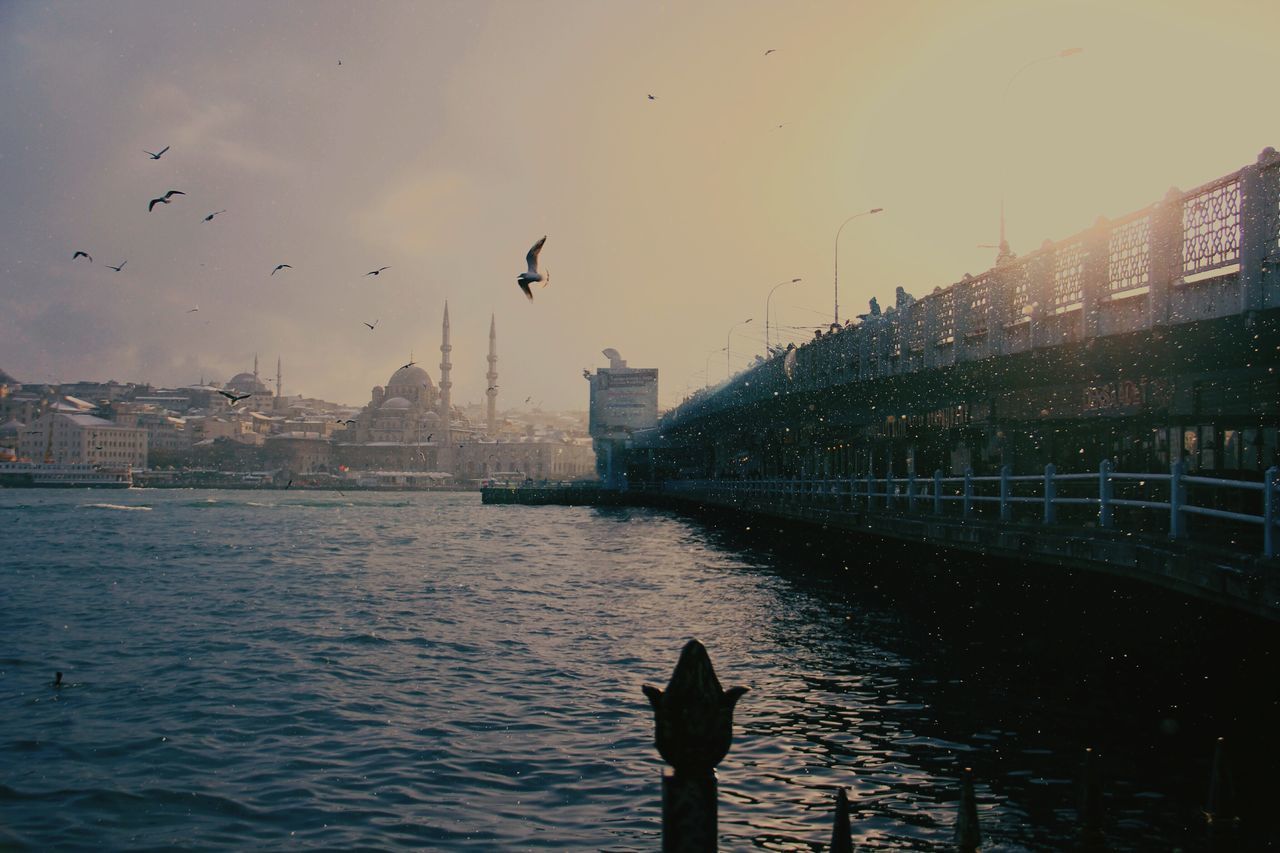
270	669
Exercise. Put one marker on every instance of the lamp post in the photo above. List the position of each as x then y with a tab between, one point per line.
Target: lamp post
766	312
706	372
1065	53
837	253
728	371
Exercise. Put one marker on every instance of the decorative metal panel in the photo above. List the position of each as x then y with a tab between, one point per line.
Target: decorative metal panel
979	294
945	305
1018	286
1129	256
1068	275
915	334
1271	188
1211	228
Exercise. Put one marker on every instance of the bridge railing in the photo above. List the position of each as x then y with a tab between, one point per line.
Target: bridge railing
1242	514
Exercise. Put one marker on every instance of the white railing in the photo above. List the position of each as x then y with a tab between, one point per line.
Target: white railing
1007	492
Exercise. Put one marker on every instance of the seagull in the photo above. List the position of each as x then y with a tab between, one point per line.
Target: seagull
158	154
211	215
527	399
117	269
429	435
193	310
377	271
82	255
281	267
586	374
234	398
493	387
769	51
288	484
653	97
371	325
347	422
407	366
527	278
164	199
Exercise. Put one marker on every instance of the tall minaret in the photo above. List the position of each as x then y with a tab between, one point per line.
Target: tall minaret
278	376
445	384
255	365
491	416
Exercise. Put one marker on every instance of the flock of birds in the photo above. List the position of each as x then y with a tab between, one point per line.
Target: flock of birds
531	275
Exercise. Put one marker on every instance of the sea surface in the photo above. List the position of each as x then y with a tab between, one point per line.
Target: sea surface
292	670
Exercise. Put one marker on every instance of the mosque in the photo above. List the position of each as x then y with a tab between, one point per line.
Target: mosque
409	423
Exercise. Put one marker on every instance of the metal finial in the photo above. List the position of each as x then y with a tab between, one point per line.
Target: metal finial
693	717
842	832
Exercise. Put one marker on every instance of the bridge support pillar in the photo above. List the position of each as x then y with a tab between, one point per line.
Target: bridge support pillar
1176	498
1050	494
1006	509
1104	494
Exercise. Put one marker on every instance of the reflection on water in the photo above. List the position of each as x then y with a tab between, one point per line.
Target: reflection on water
391	670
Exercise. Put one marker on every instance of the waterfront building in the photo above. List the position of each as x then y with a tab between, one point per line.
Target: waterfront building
624	401
63	438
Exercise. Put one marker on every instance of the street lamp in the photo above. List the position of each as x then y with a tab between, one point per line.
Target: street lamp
1065	53
837	253
728	371
706	371
766	312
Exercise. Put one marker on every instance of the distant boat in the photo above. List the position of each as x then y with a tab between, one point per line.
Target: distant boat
75	475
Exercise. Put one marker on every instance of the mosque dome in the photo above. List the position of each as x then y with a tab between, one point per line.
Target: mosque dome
430	419
412	376
397	403
246	383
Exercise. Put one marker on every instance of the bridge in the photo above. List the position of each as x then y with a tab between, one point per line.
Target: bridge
1110	401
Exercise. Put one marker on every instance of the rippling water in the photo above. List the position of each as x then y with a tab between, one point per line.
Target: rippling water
269	669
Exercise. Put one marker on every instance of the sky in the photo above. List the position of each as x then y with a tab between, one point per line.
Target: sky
442	139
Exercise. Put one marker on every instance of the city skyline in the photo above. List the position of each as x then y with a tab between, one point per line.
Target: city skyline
435	152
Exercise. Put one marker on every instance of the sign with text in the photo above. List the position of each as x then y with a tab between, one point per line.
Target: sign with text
623	400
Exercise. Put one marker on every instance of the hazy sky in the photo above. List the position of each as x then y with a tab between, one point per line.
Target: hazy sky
453	135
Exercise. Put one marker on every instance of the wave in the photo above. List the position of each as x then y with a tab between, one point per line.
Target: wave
118	506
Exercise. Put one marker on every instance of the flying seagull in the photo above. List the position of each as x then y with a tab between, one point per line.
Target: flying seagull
234	398
371	325
158	154
82	255
407	366
527	278
377	271
527	399
653	97
193	310
769	51
281	267
164	199
347	421
209	218
117	269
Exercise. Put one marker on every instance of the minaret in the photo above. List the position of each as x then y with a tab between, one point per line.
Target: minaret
491	416
445	384
278	383
255	365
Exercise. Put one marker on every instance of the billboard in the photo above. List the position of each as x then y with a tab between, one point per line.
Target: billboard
623	399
